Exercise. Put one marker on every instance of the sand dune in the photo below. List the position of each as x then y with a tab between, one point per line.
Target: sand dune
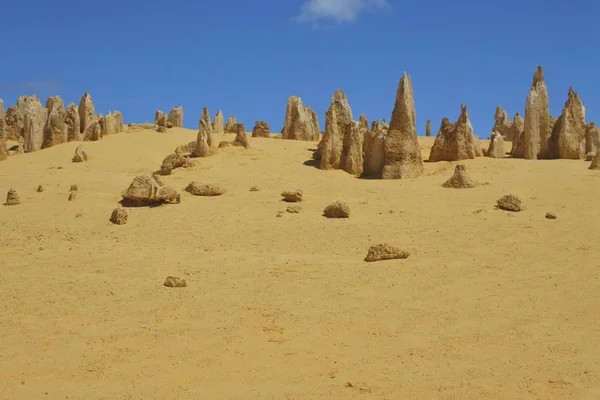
489	305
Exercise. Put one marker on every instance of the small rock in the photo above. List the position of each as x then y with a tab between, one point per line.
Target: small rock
175	282
294	209
338	209
510	203
279	214
460	179
292	196
208	189
384	251
162	129
550	215
40	189
74	188
12	198
80	155
119	216
255	189
79	216
72	196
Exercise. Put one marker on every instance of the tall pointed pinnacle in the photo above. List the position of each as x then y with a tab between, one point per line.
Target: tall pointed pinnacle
538	76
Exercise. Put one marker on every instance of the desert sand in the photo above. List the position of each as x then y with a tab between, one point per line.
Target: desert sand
489	305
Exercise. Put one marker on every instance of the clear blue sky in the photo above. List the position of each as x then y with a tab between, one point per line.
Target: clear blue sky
248	57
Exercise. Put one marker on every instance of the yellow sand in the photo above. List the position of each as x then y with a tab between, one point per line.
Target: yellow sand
489	305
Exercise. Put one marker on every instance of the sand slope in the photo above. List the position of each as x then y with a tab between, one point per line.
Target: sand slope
490	304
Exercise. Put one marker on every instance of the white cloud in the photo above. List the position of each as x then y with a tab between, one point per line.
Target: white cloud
337	10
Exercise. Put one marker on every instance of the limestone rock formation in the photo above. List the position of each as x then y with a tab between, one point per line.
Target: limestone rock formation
203	141
161	119
402	153
119	216
300	121
428	128
374	125
176	117
56	129
382	252
293	209
292	196
72	196
218	124
12	198
80	155
455	141
241	139
93	132
510	203
352	159
3	147
206	189
13	123
595	161
87	114
496	148
569	131
73	123
518	143
373	152
460	179
592	140
230	125
171	162
186	148
338	116
261	129
537	128
363	121
34	121
208	126
145	190
338	209
175	282
502	124
111	123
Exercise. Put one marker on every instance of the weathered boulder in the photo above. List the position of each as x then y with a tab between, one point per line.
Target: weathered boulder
261	129
80	155
299	123
171	162
111	123
34	121
352	159
292	196
203	141
503	124
73	123
294	209
537	127
87	114
218	124
569	131
455	141
176	117
12	198
56	129
402	153
382	252
510	203
460	179
13	123
3	146
230	125
119	216
338	116
206	189
145	190
592	141
518	144
428	128
186	148
496	148
373	152
338	209
175	282
93	132
161	119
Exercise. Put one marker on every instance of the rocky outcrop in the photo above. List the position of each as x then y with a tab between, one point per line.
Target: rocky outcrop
13	124
206	118
87	114
93	132
204	140
218	124
496	148
518	143
460	179
34	121
374	126
592	140
12	198
401	149
568	135
363	121
161	119
230	125
338	209
56	129
595	162
338	116
455	141
537	129
301	123
111	123
428	128
73	123
261	129
145	190
80	155
176	117
373	152
171	162
502	124
352	153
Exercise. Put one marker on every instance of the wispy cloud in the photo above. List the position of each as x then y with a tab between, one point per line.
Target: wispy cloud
337	10
43	85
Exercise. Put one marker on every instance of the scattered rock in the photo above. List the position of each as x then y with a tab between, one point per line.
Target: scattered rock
384	251
74	188
171	162
460	179
119	216
294	209
455	141
338	209
292	196
550	215
255	189
175	117
209	189
402	153
12	198
72	196
40	189
338	116
80	155
261	129
301	123
510	203
218	124
175	282
145	190
496	148
537	125
186	148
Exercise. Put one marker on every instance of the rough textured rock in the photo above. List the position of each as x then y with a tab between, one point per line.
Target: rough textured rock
537	128
292	196
518	143
13	123
592	140
550	215
294	209
72	196
34	122
206	118
338	116
186	148
510	203
241	139
207	189
352	160
261	129
218	124
171	162
255	189
301	123
87	114
175	282
374	126
428	128
12	198
73	123
363	121
40	189
230	125
373	153
401	149
74	188
203	141
119	216
176	117
460	179
503	124
455	141
93	132
3	147
595	161
385	251
161	119
80	155
569	131
111	123
496	148
145	190
55	129
338	209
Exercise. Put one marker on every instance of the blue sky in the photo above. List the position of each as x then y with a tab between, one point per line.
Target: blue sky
248	57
